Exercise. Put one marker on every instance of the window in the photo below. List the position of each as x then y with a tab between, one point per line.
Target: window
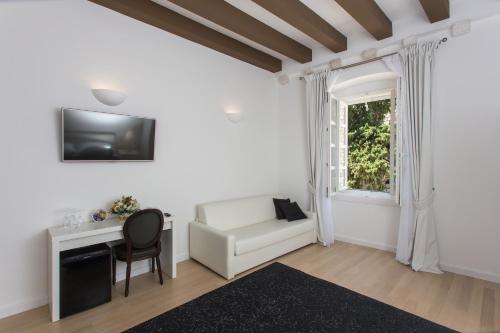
363	143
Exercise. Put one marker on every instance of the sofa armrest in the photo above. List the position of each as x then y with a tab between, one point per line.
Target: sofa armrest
310	215
212	248
313	216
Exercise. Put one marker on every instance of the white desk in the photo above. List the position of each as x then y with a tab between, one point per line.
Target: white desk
62	239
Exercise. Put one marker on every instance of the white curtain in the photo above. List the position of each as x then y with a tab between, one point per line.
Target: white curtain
417	240
405	195
318	87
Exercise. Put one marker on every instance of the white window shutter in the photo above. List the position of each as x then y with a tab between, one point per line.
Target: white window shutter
395	153
342	145
333	152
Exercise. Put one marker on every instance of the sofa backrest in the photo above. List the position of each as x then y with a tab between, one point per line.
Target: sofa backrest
236	213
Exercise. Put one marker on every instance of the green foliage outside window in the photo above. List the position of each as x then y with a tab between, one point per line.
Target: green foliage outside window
369	138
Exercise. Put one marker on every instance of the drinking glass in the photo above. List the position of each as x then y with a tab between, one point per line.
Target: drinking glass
67	220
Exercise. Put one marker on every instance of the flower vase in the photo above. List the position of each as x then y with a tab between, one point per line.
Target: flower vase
123	218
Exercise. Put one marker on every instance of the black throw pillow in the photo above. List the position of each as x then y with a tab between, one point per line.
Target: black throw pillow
292	211
280	215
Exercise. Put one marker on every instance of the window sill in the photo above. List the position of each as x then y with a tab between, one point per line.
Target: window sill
367	197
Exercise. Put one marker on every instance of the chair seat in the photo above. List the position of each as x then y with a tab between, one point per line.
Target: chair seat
120	252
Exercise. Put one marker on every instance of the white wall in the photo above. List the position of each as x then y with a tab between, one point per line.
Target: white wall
293	142
366	224
52	54
467	155
467	119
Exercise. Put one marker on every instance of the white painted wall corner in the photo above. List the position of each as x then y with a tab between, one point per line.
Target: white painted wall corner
367	243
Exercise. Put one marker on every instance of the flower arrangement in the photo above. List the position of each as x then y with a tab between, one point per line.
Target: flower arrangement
125	206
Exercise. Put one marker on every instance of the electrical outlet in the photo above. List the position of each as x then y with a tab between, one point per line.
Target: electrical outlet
283	79
336	63
412	40
369	54
460	28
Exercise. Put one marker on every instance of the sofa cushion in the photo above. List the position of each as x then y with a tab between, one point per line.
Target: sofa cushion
292	211
260	235
237	213
280	215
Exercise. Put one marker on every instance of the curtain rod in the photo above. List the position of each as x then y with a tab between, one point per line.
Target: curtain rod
443	40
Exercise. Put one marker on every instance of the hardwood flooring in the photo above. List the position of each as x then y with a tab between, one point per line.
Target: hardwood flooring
459	302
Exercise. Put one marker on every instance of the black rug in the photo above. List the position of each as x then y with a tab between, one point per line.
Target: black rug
278	298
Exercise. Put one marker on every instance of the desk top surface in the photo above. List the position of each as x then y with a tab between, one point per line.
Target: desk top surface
61	233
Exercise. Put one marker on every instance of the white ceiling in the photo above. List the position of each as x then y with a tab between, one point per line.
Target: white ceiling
407	16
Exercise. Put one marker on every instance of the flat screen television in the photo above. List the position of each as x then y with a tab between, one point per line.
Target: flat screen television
99	136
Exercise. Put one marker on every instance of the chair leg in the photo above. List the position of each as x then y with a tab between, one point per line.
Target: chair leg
160	275
127	280
152	265
114	270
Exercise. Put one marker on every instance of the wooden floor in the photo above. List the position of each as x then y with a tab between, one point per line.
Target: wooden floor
459	302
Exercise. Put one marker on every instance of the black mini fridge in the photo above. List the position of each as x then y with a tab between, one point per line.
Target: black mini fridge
85	278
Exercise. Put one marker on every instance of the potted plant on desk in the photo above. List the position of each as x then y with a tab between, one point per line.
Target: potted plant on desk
125	207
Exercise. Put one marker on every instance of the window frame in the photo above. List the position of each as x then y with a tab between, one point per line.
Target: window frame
333	146
338	191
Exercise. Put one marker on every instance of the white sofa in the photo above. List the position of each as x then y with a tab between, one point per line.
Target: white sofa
232	236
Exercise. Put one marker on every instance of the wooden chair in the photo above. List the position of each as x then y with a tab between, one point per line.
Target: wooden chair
142	234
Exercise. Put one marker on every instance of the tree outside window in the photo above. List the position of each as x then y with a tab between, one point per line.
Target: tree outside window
369	136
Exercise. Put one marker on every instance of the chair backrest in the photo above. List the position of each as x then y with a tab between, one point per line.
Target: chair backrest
143	228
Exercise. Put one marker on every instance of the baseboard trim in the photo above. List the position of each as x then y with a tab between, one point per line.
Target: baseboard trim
138	268
182	257
362	242
144	267
482	275
22	306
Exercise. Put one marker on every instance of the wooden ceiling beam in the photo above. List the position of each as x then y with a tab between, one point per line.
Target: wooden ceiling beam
436	10
231	18
163	18
304	19
370	16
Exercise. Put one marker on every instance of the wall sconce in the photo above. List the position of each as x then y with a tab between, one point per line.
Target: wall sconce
234	116
109	97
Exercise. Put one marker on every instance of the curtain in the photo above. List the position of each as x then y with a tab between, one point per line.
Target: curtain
405	195
417	239
318	87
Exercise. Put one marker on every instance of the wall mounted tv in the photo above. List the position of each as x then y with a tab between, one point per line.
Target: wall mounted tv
99	136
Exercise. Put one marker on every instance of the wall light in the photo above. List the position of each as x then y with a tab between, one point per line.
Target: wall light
109	97
234	116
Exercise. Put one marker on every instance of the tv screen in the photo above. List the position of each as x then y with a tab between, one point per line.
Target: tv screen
99	136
